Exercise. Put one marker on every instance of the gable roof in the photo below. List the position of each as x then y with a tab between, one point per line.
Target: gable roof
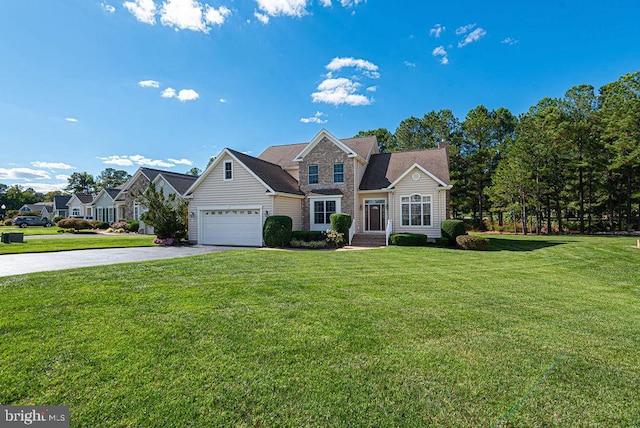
112	193
180	182
83	198
271	174
284	155
384	169
60	202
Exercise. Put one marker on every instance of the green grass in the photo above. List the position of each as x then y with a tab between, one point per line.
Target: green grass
31	230
536	332
76	242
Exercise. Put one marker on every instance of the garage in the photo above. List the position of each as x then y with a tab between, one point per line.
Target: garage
242	227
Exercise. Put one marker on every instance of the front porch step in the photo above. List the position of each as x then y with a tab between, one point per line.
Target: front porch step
367	240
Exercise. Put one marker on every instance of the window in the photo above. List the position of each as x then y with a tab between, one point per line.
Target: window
313	174
228	170
75	212
416	210
338	173
136	212
322	211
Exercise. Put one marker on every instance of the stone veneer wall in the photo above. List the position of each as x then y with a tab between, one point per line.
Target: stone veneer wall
132	193
325	154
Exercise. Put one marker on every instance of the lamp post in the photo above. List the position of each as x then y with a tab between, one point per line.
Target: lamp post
2	208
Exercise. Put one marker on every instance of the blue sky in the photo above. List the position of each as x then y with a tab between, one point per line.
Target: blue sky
89	84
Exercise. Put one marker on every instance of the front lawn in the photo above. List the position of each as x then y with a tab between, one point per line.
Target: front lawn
31	230
540	331
68	242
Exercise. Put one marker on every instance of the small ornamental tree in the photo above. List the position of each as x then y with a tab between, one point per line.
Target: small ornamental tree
166	214
340	223
277	231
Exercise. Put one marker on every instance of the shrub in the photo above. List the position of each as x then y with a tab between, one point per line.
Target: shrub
74	223
295	243
133	225
307	235
57	218
451	229
167	215
276	231
340	223
102	225
471	242
443	242
8	222
408	239
334	238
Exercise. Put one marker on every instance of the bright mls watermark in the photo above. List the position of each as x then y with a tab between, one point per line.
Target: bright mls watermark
34	416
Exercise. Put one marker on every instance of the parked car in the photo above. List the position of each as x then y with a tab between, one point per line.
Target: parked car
32	220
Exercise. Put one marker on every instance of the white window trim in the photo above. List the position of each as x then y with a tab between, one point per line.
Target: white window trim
334	173
322	226
224	170
422	213
385	204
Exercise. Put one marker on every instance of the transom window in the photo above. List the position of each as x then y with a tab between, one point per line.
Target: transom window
338	173
313	174
75	212
416	210
322	211
228	170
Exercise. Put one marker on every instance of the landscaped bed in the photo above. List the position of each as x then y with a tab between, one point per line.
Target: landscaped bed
537	331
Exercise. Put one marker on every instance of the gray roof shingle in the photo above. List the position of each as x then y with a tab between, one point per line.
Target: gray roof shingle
273	175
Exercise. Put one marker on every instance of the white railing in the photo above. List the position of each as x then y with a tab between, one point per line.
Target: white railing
389	231
352	231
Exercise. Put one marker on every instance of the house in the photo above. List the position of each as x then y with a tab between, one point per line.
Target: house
170	182
79	206
60	208
383	192
104	205
45	209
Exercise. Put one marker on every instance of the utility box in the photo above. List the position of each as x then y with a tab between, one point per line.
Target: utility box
9	237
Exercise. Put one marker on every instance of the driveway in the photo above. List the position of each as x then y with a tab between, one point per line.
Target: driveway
17	264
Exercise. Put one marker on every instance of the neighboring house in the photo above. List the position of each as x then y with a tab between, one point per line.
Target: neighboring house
384	193
60	208
45	209
104	205
79	206
170	182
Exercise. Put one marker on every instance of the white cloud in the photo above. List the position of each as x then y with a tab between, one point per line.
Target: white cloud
71	119
143	10
52	165
45	187
316	118
261	17
325	3
360	64
149	83
442	53
192	15
464	29
473	36
340	91
168	93
510	41
182	161
223	100
349	3
409	64
107	7
62	177
437	30
372	88
127	160
23	174
187	95
296	8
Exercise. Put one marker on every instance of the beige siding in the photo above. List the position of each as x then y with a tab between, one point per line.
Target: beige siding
291	207
423	186
243	189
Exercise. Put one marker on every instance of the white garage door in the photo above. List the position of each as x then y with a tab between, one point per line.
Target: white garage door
231	227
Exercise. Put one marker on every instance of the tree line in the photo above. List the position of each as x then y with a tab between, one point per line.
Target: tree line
574	158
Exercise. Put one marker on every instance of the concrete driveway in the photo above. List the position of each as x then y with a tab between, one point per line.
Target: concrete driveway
17	264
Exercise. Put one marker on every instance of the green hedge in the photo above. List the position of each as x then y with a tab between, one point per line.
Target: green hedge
74	223
408	239
308	235
341	223
471	242
451	229
277	231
